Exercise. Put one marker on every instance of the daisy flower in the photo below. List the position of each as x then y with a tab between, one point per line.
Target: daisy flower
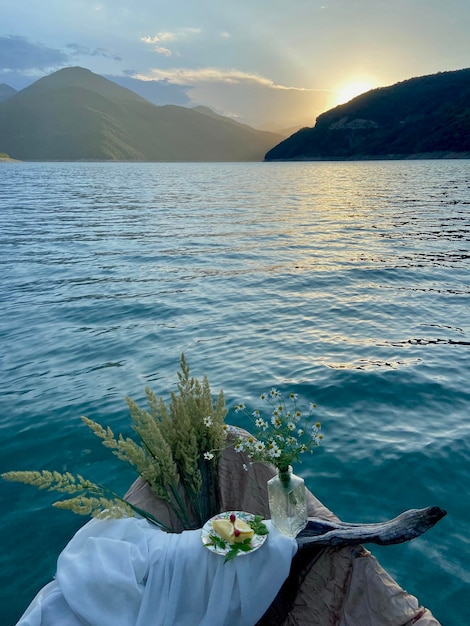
282	438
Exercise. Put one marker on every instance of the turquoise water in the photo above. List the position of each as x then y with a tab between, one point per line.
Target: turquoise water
347	283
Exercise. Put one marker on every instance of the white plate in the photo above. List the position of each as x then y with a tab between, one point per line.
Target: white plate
255	543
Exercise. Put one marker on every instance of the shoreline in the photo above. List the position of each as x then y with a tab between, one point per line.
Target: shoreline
382	157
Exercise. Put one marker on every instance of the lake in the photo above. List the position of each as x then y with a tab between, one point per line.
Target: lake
347	283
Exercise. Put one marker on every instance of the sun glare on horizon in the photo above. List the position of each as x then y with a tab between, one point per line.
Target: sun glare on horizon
348	91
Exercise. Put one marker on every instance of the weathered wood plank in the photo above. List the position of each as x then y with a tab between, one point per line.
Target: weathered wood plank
406	526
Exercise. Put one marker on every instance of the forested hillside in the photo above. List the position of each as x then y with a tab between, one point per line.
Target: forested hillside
426	116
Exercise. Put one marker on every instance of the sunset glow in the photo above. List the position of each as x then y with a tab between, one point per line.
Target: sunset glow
350	90
276	69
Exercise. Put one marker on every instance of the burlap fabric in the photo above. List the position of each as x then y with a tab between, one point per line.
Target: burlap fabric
326	586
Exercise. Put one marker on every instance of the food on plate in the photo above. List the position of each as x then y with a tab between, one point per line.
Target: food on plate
224	528
233	530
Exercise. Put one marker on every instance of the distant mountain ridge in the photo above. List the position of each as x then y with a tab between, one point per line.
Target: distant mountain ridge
6	92
428	116
75	114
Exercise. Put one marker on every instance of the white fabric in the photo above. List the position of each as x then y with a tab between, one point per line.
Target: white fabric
127	572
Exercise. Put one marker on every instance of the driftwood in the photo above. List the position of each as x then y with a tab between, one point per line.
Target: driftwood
406	526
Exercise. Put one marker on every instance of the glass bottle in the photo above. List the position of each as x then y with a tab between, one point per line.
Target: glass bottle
287	502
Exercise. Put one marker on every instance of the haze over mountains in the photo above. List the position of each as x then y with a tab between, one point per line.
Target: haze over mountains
422	117
6	92
75	114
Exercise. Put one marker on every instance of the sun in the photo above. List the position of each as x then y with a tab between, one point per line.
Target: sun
348	91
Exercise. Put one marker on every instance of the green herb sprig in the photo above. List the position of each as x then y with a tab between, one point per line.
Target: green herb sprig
235	548
258	526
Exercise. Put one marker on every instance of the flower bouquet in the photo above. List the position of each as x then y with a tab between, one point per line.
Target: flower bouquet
176	452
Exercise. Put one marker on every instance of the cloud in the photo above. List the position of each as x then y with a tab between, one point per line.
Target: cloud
78	50
166	37
188	76
165	51
18	53
159	38
22	60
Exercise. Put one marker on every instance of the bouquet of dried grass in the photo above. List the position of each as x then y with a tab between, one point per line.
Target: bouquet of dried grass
168	454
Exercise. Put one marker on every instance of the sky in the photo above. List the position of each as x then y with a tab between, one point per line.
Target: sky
273	64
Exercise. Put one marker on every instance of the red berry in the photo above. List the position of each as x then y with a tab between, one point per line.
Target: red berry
232	518
236	532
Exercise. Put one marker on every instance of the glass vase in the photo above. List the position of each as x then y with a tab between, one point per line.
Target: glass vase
287	502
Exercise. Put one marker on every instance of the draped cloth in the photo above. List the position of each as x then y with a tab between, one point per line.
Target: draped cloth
325	586
127	572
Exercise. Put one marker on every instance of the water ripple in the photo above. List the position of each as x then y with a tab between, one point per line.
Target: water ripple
345	282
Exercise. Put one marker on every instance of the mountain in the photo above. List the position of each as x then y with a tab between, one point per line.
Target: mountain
6	91
423	117
74	114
